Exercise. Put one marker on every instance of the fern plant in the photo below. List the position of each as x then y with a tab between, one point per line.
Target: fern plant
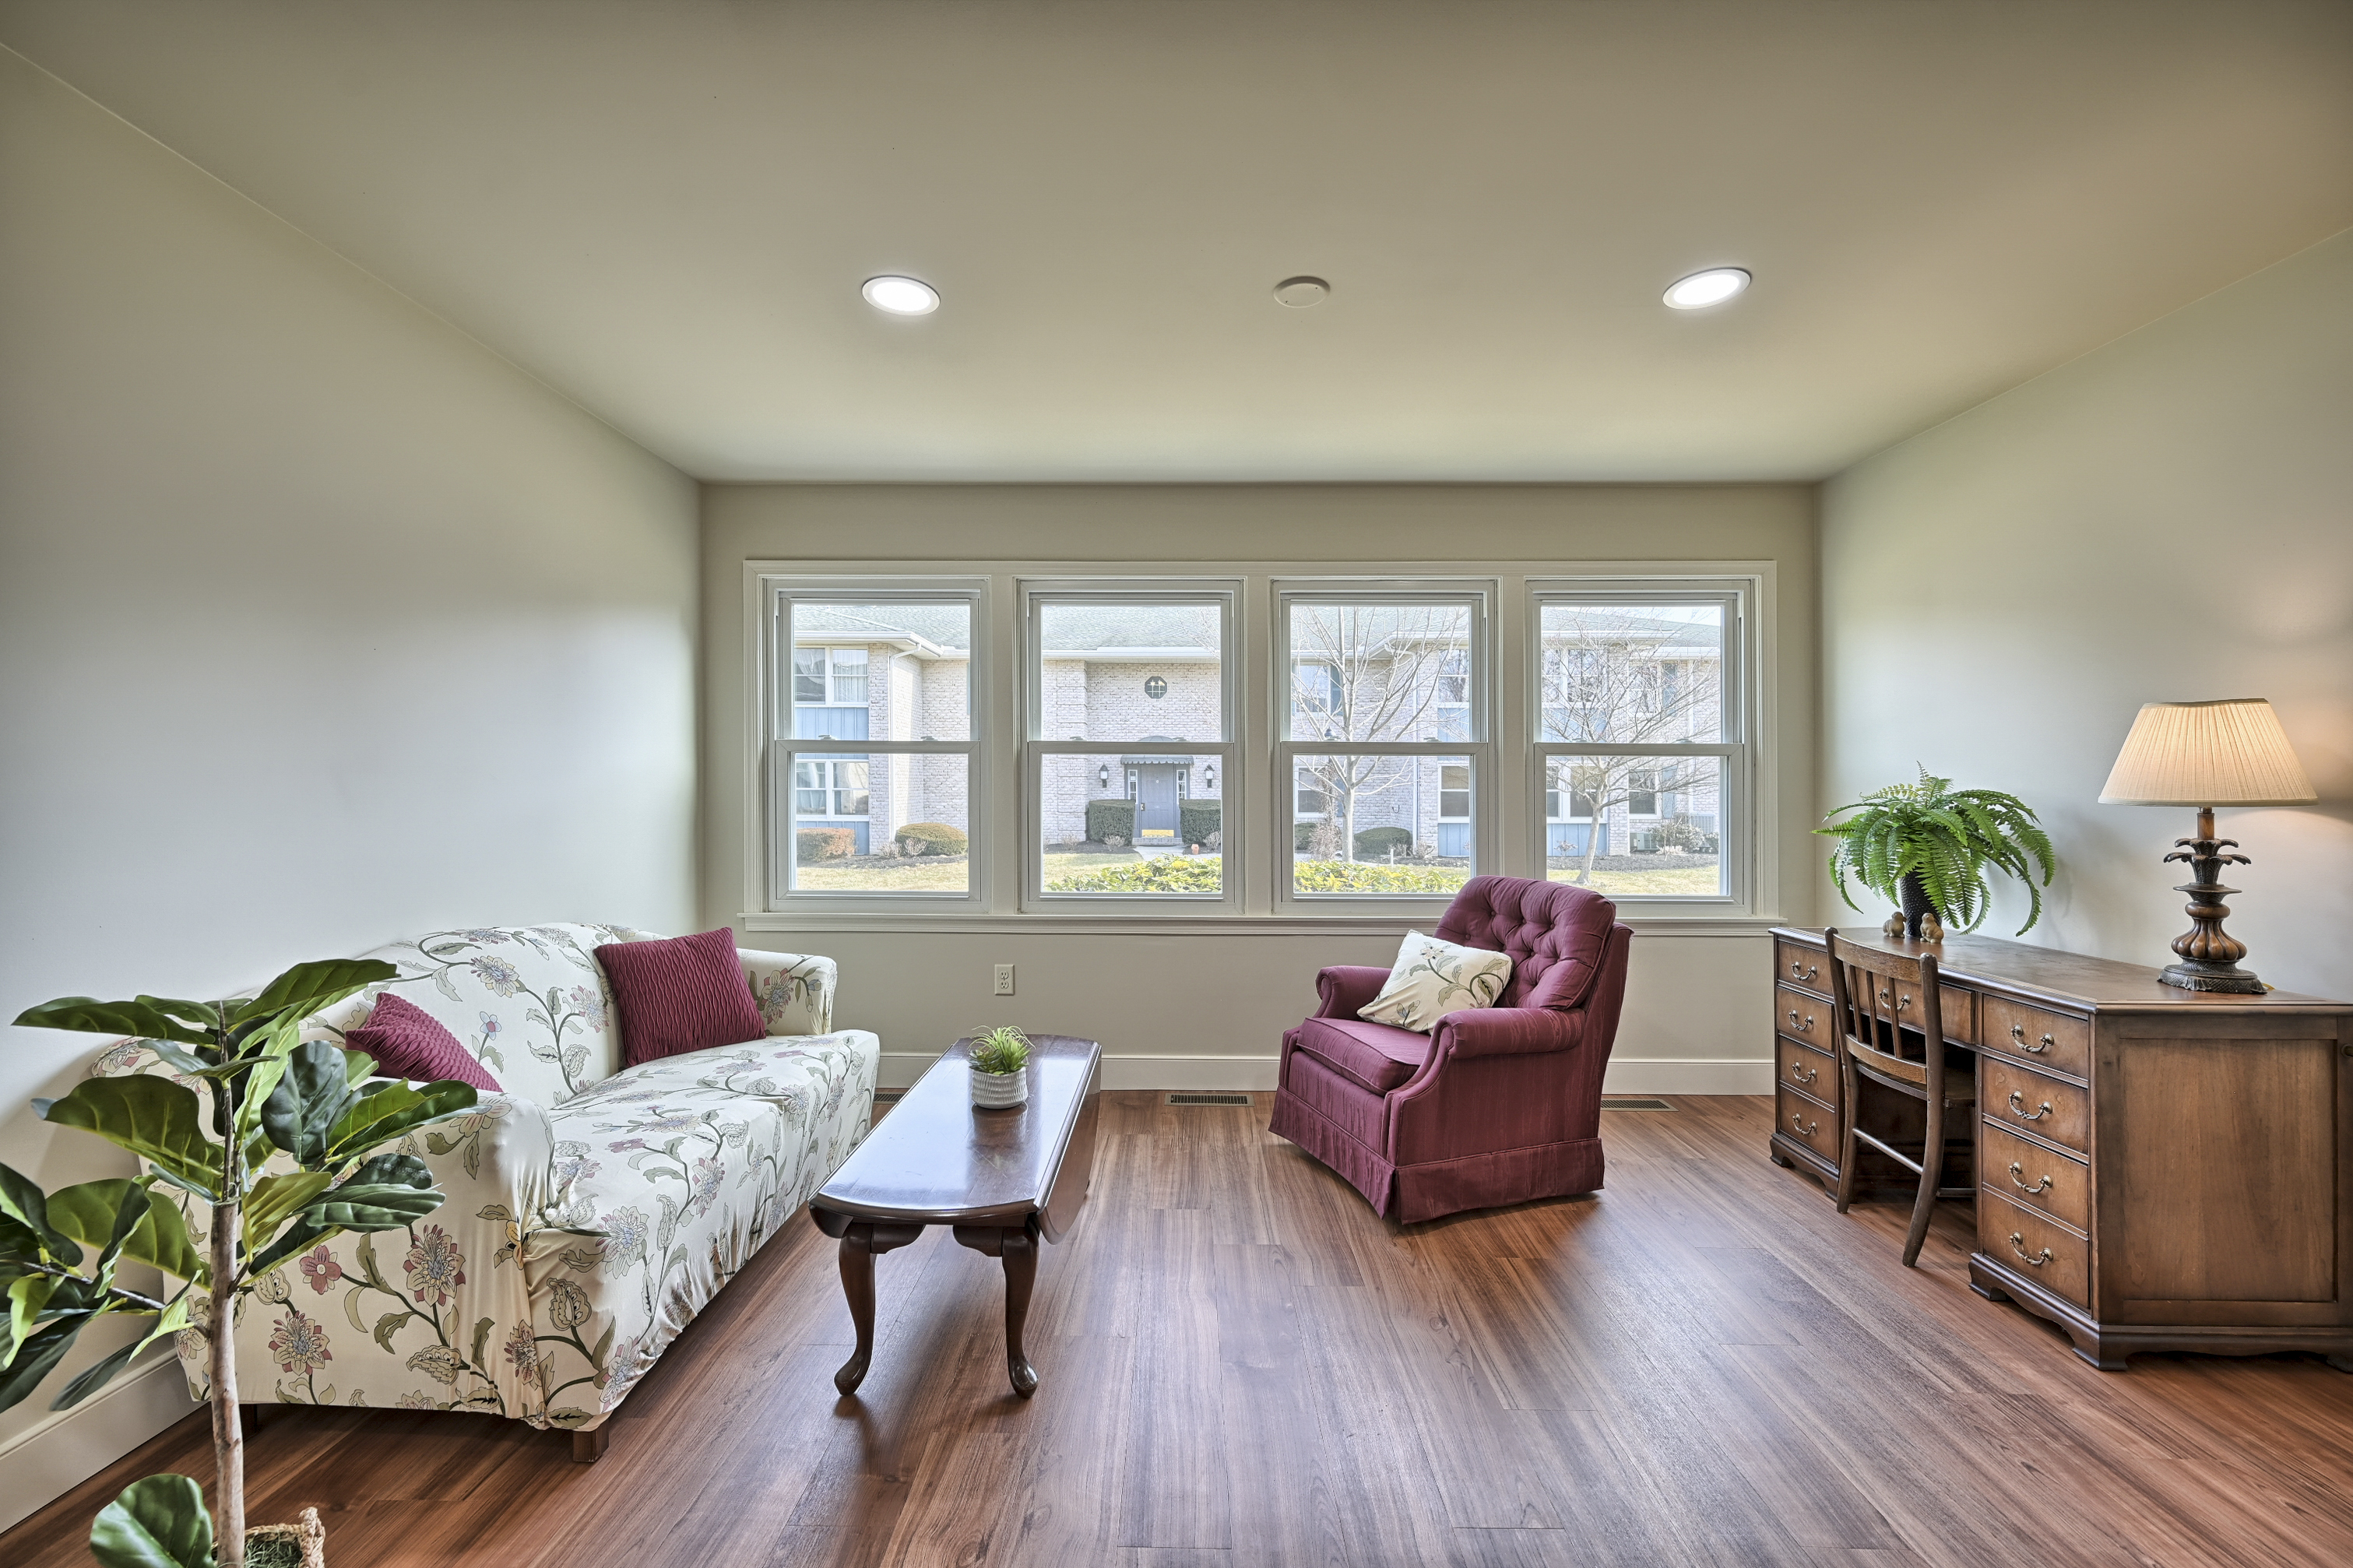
1937	842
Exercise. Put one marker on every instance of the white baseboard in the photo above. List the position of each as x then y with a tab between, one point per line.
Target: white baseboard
1740	1075
66	1447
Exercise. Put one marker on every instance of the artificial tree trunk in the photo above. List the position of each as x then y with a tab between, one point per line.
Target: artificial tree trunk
220	1357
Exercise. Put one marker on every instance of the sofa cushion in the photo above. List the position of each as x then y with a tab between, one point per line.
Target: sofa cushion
1374	1055
685	994
1553	932
408	1042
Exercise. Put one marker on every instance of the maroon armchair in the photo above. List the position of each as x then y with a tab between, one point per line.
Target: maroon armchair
1496	1105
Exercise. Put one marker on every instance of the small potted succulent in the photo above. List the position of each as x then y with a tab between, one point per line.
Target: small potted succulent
1000	1063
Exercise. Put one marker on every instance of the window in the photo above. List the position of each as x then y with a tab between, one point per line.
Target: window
1130	727
1331	741
877	737
1639	734
1384	686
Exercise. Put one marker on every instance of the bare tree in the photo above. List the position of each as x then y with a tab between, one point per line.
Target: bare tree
1371	672
1620	681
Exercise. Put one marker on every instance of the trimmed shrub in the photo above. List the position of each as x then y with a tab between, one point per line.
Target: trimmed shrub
1339	877
1109	820
1199	821
811	845
1161	874
1320	839
931	838
1376	843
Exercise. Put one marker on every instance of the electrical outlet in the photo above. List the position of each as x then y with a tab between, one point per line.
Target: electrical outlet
1004	979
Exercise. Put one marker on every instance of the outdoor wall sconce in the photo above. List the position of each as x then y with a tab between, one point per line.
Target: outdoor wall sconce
1103	776
1210	775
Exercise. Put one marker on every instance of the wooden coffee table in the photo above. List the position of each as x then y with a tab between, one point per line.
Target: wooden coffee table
1002	1179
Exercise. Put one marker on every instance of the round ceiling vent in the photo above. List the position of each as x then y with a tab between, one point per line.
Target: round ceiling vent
1301	292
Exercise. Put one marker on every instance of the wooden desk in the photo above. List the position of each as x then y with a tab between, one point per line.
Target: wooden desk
2158	1169
1004	1180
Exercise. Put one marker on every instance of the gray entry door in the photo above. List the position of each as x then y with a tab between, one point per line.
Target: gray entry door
1156	801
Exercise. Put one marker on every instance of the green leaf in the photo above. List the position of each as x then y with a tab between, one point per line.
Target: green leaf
28	1297
388	1326
373	1205
159	1523
36	1358
309	1101
481	1337
153	1118
88	1015
384	1113
22	1200
299	1237
307	987
91	1379
180	1059
276	1199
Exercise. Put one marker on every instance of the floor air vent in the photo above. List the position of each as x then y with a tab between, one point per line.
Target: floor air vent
1623	1102
888	1096
1207	1100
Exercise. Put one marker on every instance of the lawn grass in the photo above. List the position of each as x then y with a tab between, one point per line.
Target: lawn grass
876	874
1666	881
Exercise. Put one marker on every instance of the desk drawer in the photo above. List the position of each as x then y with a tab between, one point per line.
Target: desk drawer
1812	1124
2014	1096
1795	965
1803	1017
2050	1040
2036	1248
1810	1072
1959	1009
2028	1174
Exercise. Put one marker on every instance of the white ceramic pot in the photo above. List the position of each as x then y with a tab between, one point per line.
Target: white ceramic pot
998	1090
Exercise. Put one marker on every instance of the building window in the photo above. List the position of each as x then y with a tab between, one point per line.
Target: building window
1117	807
1332	743
1641	737
1383	687
874	753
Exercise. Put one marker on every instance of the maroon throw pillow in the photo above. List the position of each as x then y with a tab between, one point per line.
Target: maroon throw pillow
683	994
408	1042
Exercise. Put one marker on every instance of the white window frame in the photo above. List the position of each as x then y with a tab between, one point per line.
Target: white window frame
1480	596
783	749
1738	828
1036	595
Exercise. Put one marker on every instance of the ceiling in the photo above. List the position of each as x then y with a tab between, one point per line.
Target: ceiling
664	210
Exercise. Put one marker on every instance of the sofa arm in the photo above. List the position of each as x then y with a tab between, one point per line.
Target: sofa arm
1346	987
794	992
1505	1032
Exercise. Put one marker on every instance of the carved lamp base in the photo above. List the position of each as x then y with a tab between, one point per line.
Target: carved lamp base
2209	954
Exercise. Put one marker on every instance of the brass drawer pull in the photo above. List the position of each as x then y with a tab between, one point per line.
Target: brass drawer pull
1805	1130
1803	970
2017	1108
2017	1245
2017	1032
1798	1073
1807	1026
2017	1179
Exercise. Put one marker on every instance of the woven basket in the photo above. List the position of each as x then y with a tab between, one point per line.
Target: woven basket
302	1544
999	1090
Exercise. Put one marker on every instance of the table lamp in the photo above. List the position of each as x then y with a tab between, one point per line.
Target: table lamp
2231	752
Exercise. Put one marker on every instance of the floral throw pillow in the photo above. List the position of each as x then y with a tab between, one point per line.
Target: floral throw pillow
1433	978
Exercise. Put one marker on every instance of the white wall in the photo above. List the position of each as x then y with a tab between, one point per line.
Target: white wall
1203	1010
318	625
2171	518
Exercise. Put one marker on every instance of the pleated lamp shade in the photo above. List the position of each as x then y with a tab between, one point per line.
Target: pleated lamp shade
2231	752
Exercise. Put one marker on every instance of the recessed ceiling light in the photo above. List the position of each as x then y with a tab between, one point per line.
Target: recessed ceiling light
1301	292
901	296
1701	290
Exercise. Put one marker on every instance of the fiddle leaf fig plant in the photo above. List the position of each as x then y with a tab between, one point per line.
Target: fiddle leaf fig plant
1926	846
266	1092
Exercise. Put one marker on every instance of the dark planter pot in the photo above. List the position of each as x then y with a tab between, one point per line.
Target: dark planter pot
1916	906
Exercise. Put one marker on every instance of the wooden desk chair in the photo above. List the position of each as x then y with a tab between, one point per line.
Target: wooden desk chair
1886	1008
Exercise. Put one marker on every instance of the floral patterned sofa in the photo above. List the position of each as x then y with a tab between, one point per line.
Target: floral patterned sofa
592	1210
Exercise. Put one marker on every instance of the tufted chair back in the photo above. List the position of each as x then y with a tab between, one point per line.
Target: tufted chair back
1555	933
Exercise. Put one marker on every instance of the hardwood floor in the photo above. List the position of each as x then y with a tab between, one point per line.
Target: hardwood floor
1243	1366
